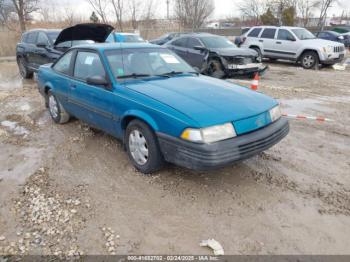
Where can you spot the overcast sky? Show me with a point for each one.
(223, 8)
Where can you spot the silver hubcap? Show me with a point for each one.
(138, 147)
(308, 60)
(53, 106)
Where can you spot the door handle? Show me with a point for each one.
(262, 41)
(73, 86)
(279, 43)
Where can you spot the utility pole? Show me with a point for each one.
(167, 8)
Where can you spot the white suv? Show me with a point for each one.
(293, 43)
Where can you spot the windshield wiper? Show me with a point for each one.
(173, 73)
(133, 76)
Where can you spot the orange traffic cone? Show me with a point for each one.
(255, 83)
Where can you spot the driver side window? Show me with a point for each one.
(285, 35)
(88, 64)
(192, 42)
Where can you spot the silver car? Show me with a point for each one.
(293, 43)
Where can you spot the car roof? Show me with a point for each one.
(115, 46)
(44, 29)
(278, 27)
(118, 33)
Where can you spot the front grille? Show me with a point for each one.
(239, 60)
(262, 144)
(339, 49)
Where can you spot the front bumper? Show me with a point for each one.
(205, 157)
(333, 59)
(242, 70)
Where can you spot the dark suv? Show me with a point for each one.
(43, 46)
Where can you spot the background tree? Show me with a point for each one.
(288, 16)
(193, 13)
(268, 18)
(100, 6)
(94, 17)
(305, 8)
(135, 7)
(24, 9)
(118, 7)
(252, 9)
(323, 5)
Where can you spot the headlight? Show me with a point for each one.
(328, 49)
(209, 134)
(275, 113)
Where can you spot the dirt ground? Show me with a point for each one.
(67, 189)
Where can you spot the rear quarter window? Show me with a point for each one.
(31, 38)
(63, 65)
(268, 33)
(255, 32)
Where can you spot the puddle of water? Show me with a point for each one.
(298, 106)
(15, 128)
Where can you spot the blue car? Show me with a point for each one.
(115, 37)
(162, 110)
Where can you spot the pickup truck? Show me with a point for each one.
(44, 46)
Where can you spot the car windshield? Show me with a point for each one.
(146, 62)
(133, 39)
(217, 42)
(303, 34)
(69, 44)
(53, 35)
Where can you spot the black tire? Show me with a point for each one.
(215, 69)
(23, 70)
(58, 114)
(154, 160)
(257, 49)
(309, 60)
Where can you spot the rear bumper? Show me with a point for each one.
(205, 157)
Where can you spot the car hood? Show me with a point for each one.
(321, 43)
(234, 51)
(95, 32)
(207, 101)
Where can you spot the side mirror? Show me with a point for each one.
(41, 44)
(291, 39)
(97, 81)
(200, 48)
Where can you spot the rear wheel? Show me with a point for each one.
(142, 147)
(215, 69)
(309, 60)
(23, 70)
(57, 111)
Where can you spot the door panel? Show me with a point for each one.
(284, 46)
(194, 57)
(267, 38)
(92, 104)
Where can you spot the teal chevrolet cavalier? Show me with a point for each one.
(160, 107)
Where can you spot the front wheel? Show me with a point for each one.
(57, 111)
(23, 70)
(142, 147)
(215, 69)
(309, 60)
(259, 57)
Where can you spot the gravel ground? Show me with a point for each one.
(70, 190)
